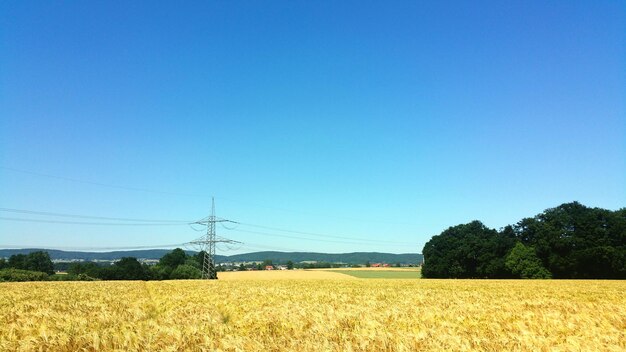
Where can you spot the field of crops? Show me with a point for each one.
(283, 275)
(325, 314)
(380, 273)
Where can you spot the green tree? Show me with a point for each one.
(601, 262)
(468, 251)
(574, 241)
(87, 271)
(368, 264)
(127, 268)
(18, 261)
(158, 272)
(34, 261)
(524, 263)
(289, 265)
(88, 268)
(199, 257)
(39, 261)
(266, 263)
(3, 263)
(185, 272)
(174, 258)
(193, 261)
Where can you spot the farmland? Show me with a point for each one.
(389, 274)
(282, 275)
(315, 274)
(380, 273)
(339, 313)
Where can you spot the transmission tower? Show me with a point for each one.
(208, 242)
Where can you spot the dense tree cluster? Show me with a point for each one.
(178, 265)
(571, 241)
(467, 251)
(174, 265)
(35, 261)
(38, 266)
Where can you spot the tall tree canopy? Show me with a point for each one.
(524, 263)
(569, 241)
(174, 258)
(578, 242)
(467, 251)
(33, 261)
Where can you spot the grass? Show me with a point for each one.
(381, 274)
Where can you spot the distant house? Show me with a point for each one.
(282, 267)
(380, 265)
(269, 267)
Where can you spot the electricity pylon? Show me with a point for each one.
(207, 243)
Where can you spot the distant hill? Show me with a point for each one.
(276, 257)
(349, 258)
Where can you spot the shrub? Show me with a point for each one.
(186, 272)
(14, 275)
(524, 263)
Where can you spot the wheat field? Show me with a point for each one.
(326, 314)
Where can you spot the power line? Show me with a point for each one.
(33, 212)
(264, 247)
(323, 235)
(144, 222)
(89, 223)
(159, 246)
(314, 239)
(256, 205)
(95, 248)
(146, 190)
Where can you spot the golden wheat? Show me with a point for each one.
(314, 315)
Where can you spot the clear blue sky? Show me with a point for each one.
(376, 120)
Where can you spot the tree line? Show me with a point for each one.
(37, 266)
(571, 241)
(174, 265)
